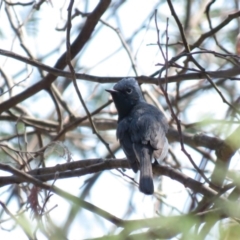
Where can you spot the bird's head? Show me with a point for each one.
(126, 94)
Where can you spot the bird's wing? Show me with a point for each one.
(124, 137)
(150, 128)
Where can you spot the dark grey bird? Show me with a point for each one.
(141, 130)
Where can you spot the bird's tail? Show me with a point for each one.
(144, 155)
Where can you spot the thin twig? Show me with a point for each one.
(171, 108)
(75, 81)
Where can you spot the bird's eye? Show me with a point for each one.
(128, 90)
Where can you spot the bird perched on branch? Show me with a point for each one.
(141, 130)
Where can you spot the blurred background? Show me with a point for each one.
(45, 122)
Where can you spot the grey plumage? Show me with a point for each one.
(141, 130)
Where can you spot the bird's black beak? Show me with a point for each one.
(111, 91)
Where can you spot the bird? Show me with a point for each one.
(141, 130)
